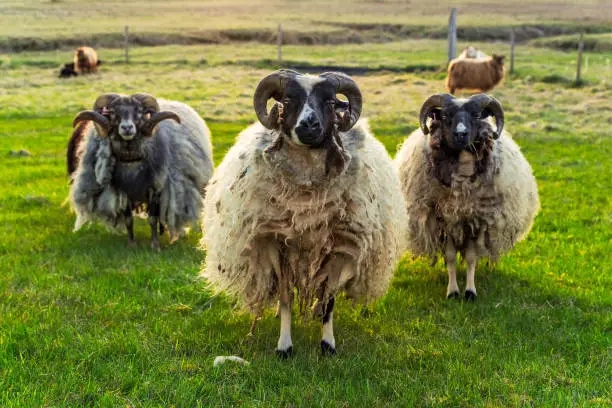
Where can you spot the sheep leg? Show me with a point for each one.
(471, 259)
(328, 343)
(450, 257)
(284, 347)
(154, 220)
(129, 225)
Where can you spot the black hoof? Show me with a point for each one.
(469, 295)
(453, 295)
(284, 354)
(327, 349)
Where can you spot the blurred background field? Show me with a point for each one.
(86, 321)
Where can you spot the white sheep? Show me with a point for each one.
(307, 202)
(467, 186)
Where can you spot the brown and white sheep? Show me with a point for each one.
(475, 74)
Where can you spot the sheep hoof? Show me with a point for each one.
(284, 354)
(155, 246)
(327, 349)
(453, 295)
(469, 295)
(132, 243)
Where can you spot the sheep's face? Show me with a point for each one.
(460, 123)
(126, 116)
(460, 120)
(309, 110)
(499, 59)
(127, 121)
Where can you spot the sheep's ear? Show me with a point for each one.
(433, 114)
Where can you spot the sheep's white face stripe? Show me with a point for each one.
(461, 127)
(307, 82)
(306, 110)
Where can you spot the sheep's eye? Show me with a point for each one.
(287, 101)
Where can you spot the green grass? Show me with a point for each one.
(86, 321)
(592, 42)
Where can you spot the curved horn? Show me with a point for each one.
(147, 129)
(434, 101)
(493, 107)
(271, 87)
(347, 87)
(102, 124)
(148, 101)
(105, 100)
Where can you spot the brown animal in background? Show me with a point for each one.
(85, 60)
(480, 75)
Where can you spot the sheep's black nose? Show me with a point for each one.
(459, 135)
(127, 128)
(310, 122)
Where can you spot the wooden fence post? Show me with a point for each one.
(279, 44)
(452, 35)
(127, 44)
(512, 42)
(579, 66)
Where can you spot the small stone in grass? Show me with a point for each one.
(20, 153)
(222, 359)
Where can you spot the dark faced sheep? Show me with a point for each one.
(306, 199)
(475, 74)
(68, 71)
(467, 186)
(125, 156)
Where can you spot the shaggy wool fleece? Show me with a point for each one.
(275, 216)
(180, 179)
(496, 207)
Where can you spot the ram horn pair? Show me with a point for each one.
(102, 123)
(488, 105)
(273, 85)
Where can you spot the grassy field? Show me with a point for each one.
(87, 321)
(49, 24)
